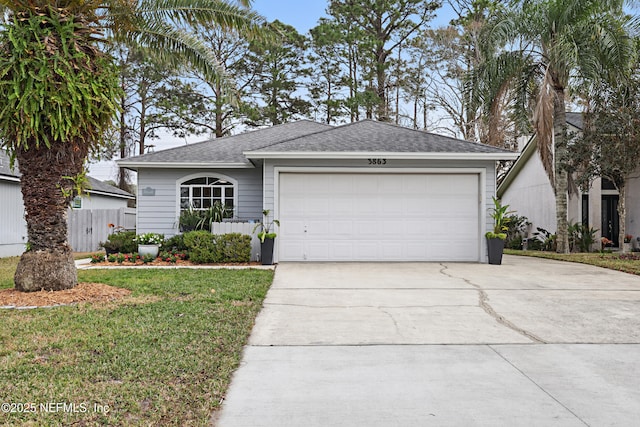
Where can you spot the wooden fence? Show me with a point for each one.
(89, 227)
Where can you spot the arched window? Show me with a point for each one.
(203, 192)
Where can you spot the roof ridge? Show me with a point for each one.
(223, 138)
(329, 128)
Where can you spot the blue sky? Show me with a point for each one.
(304, 14)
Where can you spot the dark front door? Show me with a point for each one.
(610, 220)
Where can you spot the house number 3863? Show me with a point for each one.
(377, 161)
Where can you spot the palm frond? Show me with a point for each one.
(543, 123)
(221, 13)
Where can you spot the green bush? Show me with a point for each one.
(175, 243)
(581, 237)
(205, 247)
(236, 247)
(121, 242)
(202, 247)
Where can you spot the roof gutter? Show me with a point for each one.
(104, 193)
(378, 155)
(182, 165)
(9, 178)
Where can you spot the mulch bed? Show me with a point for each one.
(179, 263)
(84, 292)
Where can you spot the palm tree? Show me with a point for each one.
(549, 43)
(58, 92)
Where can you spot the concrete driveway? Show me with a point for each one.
(530, 343)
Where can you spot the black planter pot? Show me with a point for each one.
(266, 251)
(111, 251)
(496, 247)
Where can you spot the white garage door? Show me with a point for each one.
(378, 217)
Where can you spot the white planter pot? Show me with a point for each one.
(626, 247)
(148, 250)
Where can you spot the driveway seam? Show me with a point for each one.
(537, 385)
(484, 304)
(366, 306)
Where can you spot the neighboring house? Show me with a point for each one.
(13, 228)
(527, 190)
(101, 195)
(365, 191)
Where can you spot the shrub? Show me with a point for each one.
(517, 227)
(205, 247)
(236, 247)
(121, 242)
(543, 240)
(96, 258)
(581, 237)
(147, 258)
(202, 247)
(175, 243)
(168, 257)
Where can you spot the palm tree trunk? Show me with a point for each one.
(561, 177)
(622, 215)
(48, 262)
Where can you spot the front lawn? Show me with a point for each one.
(162, 356)
(628, 263)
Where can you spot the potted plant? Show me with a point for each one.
(189, 220)
(627, 245)
(149, 244)
(266, 236)
(496, 238)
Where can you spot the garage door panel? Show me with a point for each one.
(366, 250)
(318, 250)
(377, 217)
(342, 250)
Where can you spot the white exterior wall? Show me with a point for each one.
(530, 194)
(488, 167)
(13, 227)
(159, 213)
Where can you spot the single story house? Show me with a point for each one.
(527, 190)
(365, 191)
(13, 228)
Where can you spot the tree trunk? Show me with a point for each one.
(622, 215)
(48, 263)
(561, 177)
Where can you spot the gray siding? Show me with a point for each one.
(489, 190)
(159, 212)
(13, 228)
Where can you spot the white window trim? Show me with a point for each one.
(182, 180)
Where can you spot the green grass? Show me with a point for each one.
(162, 356)
(611, 261)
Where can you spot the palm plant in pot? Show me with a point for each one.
(496, 238)
(266, 236)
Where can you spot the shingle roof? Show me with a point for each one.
(228, 150)
(103, 187)
(575, 120)
(372, 136)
